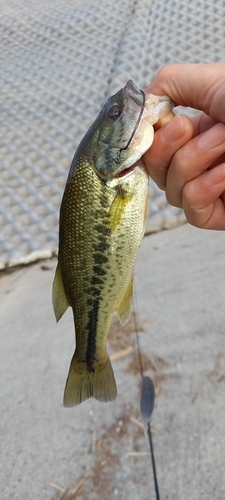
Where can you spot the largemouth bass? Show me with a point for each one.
(101, 225)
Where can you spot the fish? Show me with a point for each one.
(101, 225)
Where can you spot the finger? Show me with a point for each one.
(203, 199)
(200, 86)
(164, 120)
(190, 161)
(167, 141)
(201, 122)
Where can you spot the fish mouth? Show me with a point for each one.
(125, 171)
(138, 96)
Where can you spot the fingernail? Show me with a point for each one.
(212, 138)
(173, 131)
(215, 176)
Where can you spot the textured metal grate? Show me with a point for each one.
(59, 61)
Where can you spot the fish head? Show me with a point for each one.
(123, 131)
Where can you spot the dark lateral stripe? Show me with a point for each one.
(94, 301)
(92, 328)
(100, 257)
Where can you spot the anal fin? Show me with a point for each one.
(124, 308)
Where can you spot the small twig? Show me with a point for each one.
(135, 421)
(103, 462)
(93, 444)
(76, 488)
(154, 363)
(218, 372)
(138, 454)
(72, 492)
(57, 487)
(121, 354)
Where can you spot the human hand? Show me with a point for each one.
(187, 157)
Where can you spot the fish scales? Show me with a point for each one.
(102, 219)
(97, 267)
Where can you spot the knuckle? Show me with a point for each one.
(173, 199)
(180, 163)
(167, 71)
(195, 215)
(188, 195)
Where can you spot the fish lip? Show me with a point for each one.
(134, 92)
(139, 99)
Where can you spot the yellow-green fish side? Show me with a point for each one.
(101, 229)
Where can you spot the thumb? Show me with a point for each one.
(200, 86)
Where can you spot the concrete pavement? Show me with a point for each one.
(46, 449)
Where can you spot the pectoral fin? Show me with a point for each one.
(125, 306)
(59, 299)
(117, 210)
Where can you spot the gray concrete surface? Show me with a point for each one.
(46, 449)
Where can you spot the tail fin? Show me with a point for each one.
(82, 384)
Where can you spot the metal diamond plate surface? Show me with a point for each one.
(59, 61)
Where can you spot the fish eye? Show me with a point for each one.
(114, 112)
